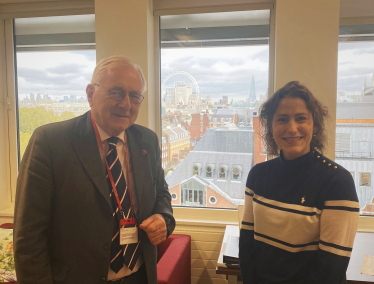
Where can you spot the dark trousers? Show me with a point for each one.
(139, 277)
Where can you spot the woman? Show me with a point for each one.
(301, 209)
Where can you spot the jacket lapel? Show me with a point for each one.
(87, 150)
(141, 169)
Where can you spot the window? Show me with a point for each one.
(355, 103)
(195, 170)
(193, 193)
(174, 196)
(222, 174)
(55, 60)
(365, 179)
(212, 200)
(342, 144)
(209, 171)
(236, 173)
(205, 63)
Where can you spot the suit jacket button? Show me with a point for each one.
(103, 279)
(107, 246)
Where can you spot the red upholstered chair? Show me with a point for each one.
(174, 260)
(6, 226)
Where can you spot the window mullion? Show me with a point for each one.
(11, 108)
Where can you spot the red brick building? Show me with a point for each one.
(199, 124)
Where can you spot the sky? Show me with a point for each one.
(219, 71)
(355, 64)
(56, 73)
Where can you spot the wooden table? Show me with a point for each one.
(364, 244)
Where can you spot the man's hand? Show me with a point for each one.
(155, 227)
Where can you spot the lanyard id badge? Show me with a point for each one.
(128, 235)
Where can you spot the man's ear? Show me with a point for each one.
(90, 90)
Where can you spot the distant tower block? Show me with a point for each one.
(252, 91)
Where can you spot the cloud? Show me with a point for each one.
(55, 73)
(357, 46)
(262, 56)
(220, 75)
(60, 80)
(89, 55)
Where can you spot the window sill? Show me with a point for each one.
(203, 223)
(366, 224)
(205, 217)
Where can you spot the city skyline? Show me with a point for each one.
(67, 73)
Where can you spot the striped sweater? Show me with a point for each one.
(299, 223)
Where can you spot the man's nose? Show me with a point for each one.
(125, 102)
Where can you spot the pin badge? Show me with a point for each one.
(144, 152)
(302, 200)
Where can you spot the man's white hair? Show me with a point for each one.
(103, 64)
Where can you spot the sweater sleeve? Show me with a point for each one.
(338, 226)
(246, 240)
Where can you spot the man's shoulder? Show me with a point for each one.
(142, 130)
(63, 127)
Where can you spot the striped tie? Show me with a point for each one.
(126, 254)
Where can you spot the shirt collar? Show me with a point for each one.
(298, 162)
(104, 136)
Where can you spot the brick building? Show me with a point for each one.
(198, 126)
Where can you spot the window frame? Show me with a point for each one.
(365, 223)
(8, 77)
(221, 217)
(10, 114)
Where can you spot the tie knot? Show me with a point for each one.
(113, 140)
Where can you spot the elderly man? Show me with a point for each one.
(92, 202)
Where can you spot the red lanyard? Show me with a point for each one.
(109, 172)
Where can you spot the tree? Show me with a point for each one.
(32, 118)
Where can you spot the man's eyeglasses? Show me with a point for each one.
(135, 98)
